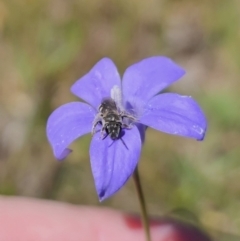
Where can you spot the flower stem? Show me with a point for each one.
(143, 207)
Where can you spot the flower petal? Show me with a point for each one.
(97, 83)
(67, 123)
(175, 114)
(148, 77)
(113, 162)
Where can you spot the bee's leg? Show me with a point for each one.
(97, 119)
(125, 126)
(104, 134)
(129, 116)
(131, 120)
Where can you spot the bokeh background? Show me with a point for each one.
(46, 45)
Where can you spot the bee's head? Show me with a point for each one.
(113, 130)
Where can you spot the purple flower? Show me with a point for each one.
(137, 105)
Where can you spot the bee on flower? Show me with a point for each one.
(118, 112)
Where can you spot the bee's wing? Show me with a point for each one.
(116, 95)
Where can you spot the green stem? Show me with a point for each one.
(143, 207)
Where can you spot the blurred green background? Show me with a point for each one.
(46, 45)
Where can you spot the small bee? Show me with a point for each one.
(111, 119)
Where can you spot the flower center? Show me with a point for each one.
(112, 116)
